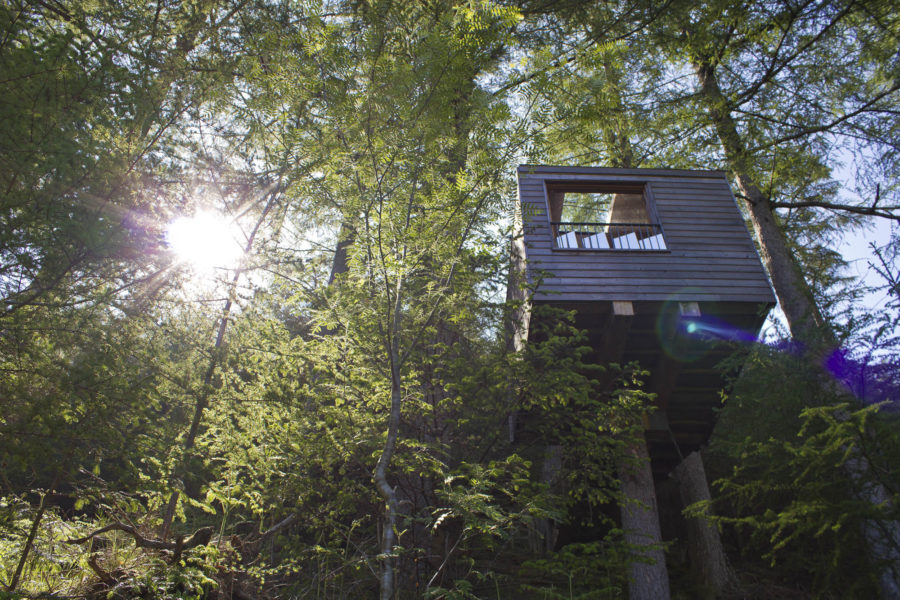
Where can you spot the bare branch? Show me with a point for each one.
(200, 537)
(884, 212)
(805, 131)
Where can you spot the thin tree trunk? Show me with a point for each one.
(707, 556)
(388, 493)
(456, 155)
(804, 320)
(550, 470)
(519, 317)
(203, 398)
(32, 533)
(202, 402)
(648, 577)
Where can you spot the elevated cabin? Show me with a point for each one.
(659, 267)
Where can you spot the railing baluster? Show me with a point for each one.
(607, 236)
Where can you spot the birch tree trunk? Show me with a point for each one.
(388, 493)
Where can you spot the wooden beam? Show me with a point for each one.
(689, 309)
(615, 331)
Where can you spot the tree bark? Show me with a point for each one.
(339, 265)
(32, 533)
(707, 556)
(800, 310)
(519, 317)
(640, 516)
(389, 495)
(804, 320)
(648, 577)
(550, 471)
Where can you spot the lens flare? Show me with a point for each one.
(205, 241)
(715, 329)
(687, 335)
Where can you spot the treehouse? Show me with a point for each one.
(659, 269)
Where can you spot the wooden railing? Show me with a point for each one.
(608, 236)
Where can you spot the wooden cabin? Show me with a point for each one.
(660, 269)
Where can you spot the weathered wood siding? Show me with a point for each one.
(710, 257)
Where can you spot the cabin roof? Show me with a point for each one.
(615, 171)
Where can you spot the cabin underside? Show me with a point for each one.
(683, 346)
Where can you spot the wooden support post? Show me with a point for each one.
(615, 331)
(648, 577)
(705, 551)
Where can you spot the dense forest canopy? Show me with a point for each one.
(253, 262)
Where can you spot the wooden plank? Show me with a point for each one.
(689, 183)
(729, 255)
(691, 190)
(685, 220)
(578, 278)
(695, 237)
(630, 279)
(699, 256)
(558, 299)
(704, 229)
(628, 260)
(628, 291)
(683, 243)
(700, 230)
(570, 266)
(660, 284)
(664, 287)
(540, 170)
(630, 257)
(699, 296)
(573, 266)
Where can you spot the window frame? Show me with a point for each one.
(603, 187)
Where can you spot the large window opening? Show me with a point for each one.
(602, 217)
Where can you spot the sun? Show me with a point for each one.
(205, 241)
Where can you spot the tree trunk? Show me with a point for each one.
(648, 577)
(794, 297)
(705, 549)
(218, 346)
(804, 319)
(550, 471)
(32, 533)
(640, 517)
(389, 495)
(618, 144)
(339, 264)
